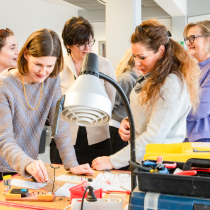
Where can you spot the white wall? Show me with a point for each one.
(99, 34)
(198, 18)
(120, 24)
(165, 21)
(26, 16)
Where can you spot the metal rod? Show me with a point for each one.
(131, 121)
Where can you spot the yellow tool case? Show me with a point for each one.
(180, 152)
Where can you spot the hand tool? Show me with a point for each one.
(187, 173)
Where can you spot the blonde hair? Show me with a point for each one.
(42, 43)
(175, 59)
(203, 25)
(126, 63)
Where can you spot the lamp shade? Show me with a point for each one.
(86, 101)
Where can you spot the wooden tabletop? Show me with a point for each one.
(58, 203)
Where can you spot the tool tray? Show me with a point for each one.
(198, 185)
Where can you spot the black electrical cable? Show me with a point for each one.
(84, 196)
(131, 122)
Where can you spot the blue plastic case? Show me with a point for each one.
(166, 202)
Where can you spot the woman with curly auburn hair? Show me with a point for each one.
(197, 39)
(163, 95)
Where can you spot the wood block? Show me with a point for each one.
(32, 197)
(9, 197)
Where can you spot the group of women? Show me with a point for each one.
(161, 79)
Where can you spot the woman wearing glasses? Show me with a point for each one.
(162, 97)
(8, 49)
(197, 39)
(89, 143)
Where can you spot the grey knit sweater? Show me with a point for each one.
(127, 81)
(163, 123)
(21, 127)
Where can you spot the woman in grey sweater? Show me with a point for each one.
(126, 74)
(162, 97)
(28, 94)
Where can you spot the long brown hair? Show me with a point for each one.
(151, 34)
(43, 42)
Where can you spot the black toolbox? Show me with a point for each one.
(198, 185)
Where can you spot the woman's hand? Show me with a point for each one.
(124, 130)
(82, 169)
(102, 163)
(38, 171)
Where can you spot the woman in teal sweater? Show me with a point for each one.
(28, 95)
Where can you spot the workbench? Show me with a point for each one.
(58, 203)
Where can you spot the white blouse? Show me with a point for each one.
(68, 75)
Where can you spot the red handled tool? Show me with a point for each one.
(162, 165)
(201, 169)
(187, 173)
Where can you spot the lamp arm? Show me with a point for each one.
(131, 122)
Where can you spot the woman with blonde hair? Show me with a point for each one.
(28, 94)
(161, 98)
(126, 74)
(197, 39)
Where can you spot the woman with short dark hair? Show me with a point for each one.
(8, 49)
(89, 142)
(28, 94)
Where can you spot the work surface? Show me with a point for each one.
(58, 203)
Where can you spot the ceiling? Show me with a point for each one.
(95, 5)
(87, 4)
(149, 3)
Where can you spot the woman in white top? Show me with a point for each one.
(89, 142)
(162, 96)
(8, 49)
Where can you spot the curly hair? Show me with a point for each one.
(175, 60)
(126, 63)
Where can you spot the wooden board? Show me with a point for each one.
(58, 203)
(34, 197)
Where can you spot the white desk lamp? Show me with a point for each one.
(86, 103)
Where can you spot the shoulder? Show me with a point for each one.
(6, 78)
(174, 88)
(173, 81)
(54, 81)
(104, 62)
(127, 77)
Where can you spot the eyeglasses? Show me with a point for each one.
(191, 39)
(6, 32)
(83, 46)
